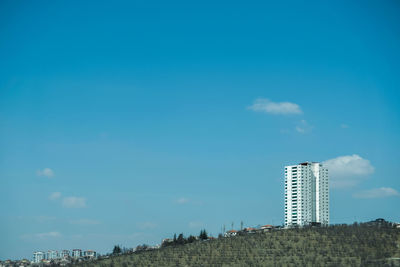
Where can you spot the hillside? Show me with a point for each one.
(331, 246)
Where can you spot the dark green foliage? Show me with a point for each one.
(116, 249)
(355, 245)
(142, 247)
(191, 239)
(181, 240)
(203, 235)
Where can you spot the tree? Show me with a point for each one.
(191, 239)
(181, 240)
(117, 249)
(203, 235)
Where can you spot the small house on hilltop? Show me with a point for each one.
(250, 230)
(230, 233)
(266, 228)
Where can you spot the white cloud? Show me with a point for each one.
(344, 126)
(55, 195)
(347, 171)
(182, 200)
(377, 193)
(349, 165)
(74, 202)
(45, 172)
(267, 106)
(84, 222)
(303, 127)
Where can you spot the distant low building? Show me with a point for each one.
(230, 233)
(250, 230)
(266, 228)
(90, 254)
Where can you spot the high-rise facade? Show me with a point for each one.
(64, 253)
(76, 253)
(306, 194)
(52, 254)
(38, 256)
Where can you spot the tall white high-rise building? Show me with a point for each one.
(306, 194)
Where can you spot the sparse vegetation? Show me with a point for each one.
(343, 245)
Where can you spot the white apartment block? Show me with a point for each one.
(76, 253)
(38, 256)
(90, 253)
(52, 254)
(64, 253)
(306, 194)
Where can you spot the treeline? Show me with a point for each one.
(175, 241)
(342, 245)
(181, 240)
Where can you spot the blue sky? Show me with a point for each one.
(126, 122)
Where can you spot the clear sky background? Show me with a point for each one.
(126, 122)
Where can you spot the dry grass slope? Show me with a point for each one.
(331, 246)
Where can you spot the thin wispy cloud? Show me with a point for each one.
(182, 200)
(74, 202)
(303, 127)
(300, 130)
(68, 202)
(55, 196)
(44, 219)
(146, 225)
(377, 193)
(278, 108)
(47, 172)
(344, 126)
(347, 171)
(84, 222)
(47, 235)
